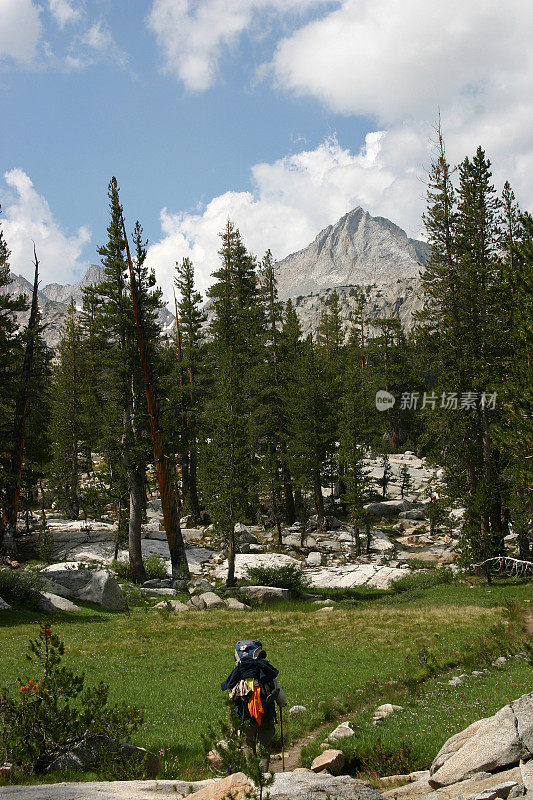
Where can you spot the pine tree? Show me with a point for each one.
(228, 456)
(289, 349)
(331, 354)
(191, 374)
(68, 422)
(514, 435)
(15, 468)
(405, 481)
(10, 362)
(355, 434)
(143, 302)
(466, 319)
(269, 415)
(308, 438)
(120, 371)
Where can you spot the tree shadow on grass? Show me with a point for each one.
(27, 616)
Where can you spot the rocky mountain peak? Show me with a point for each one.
(359, 249)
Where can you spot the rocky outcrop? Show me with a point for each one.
(468, 789)
(86, 754)
(265, 594)
(93, 585)
(305, 785)
(487, 745)
(4, 606)
(297, 785)
(351, 575)
(387, 508)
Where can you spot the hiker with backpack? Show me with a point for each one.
(254, 688)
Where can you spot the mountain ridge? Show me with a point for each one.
(358, 249)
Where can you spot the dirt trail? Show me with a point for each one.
(293, 752)
(528, 622)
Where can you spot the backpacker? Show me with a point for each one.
(252, 683)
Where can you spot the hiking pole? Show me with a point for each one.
(282, 745)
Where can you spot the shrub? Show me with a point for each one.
(19, 587)
(55, 709)
(422, 579)
(287, 577)
(44, 549)
(154, 567)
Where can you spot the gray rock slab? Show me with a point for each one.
(523, 711)
(304, 785)
(212, 600)
(297, 785)
(387, 508)
(175, 605)
(153, 591)
(342, 731)
(243, 562)
(235, 605)
(106, 790)
(54, 602)
(192, 534)
(265, 594)
(421, 790)
(314, 559)
(488, 745)
(4, 606)
(526, 772)
(501, 790)
(101, 552)
(350, 575)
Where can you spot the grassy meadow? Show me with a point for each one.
(342, 662)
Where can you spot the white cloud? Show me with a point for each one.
(94, 45)
(398, 60)
(27, 218)
(20, 30)
(63, 12)
(193, 35)
(98, 37)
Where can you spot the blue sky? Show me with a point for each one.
(282, 114)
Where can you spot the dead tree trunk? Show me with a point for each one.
(167, 489)
(8, 526)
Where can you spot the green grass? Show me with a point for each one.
(332, 662)
(409, 740)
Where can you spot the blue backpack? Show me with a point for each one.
(249, 649)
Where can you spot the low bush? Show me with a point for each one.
(287, 577)
(154, 566)
(41, 716)
(419, 563)
(19, 587)
(422, 579)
